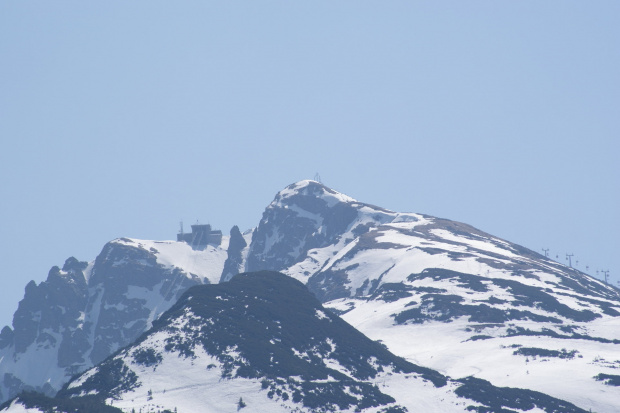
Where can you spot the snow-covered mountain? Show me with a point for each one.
(85, 311)
(448, 296)
(439, 293)
(263, 343)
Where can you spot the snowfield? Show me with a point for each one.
(206, 264)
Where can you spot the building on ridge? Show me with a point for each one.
(201, 236)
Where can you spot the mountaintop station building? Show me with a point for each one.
(201, 236)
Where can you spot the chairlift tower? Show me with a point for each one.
(569, 258)
(606, 274)
(546, 251)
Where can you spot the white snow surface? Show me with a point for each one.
(16, 407)
(448, 348)
(206, 264)
(330, 196)
(321, 259)
(404, 247)
(193, 384)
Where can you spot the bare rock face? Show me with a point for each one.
(305, 215)
(234, 260)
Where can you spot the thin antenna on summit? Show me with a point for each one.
(569, 258)
(546, 250)
(181, 227)
(317, 178)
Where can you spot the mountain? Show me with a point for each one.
(262, 342)
(448, 296)
(85, 311)
(439, 293)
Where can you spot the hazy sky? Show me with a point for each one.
(122, 118)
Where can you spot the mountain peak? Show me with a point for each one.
(265, 333)
(310, 188)
(303, 216)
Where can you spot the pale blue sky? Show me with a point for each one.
(122, 118)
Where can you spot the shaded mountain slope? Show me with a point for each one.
(85, 311)
(262, 342)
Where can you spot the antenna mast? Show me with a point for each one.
(181, 229)
(317, 178)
